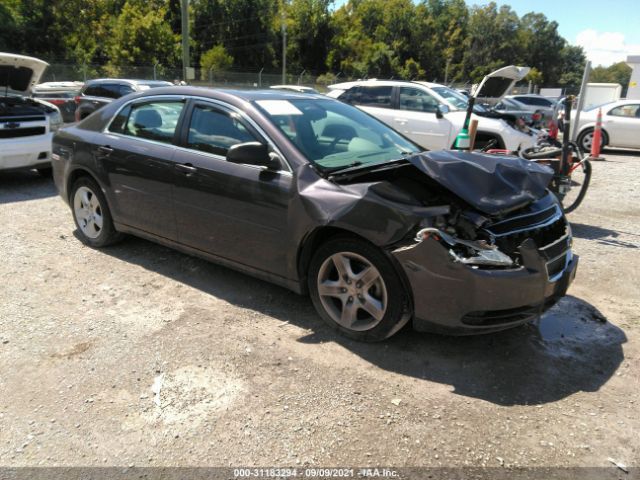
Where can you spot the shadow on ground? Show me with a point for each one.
(24, 185)
(623, 152)
(572, 348)
(604, 236)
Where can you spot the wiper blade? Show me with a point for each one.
(362, 169)
(330, 170)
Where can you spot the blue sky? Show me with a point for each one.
(607, 30)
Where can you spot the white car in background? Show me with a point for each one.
(620, 125)
(26, 124)
(432, 115)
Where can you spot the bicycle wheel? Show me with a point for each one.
(578, 185)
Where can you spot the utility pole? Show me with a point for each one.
(184, 10)
(284, 45)
(583, 93)
(446, 71)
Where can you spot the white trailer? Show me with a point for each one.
(601, 93)
(633, 93)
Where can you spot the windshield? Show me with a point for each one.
(334, 135)
(456, 99)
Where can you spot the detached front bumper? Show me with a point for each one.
(450, 297)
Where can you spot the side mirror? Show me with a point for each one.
(250, 153)
(441, 110)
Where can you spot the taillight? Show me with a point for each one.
(57, 101)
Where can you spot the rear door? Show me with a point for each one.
(234, 211)
(623, 126)
(137, 154)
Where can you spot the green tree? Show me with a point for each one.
(534, 76)
(215, 59)
(246, 28)
(141, 36)
(308, 31)
(573, 62)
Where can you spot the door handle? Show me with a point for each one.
(401, 121)
(105, 151)
(186, 168)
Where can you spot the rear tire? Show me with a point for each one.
(91, 214)
(357, 291)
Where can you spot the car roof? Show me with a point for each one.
(224, 93)
(124, 80)
(375, 81)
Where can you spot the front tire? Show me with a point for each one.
(585, 140)
(357, 291)
(91, 214)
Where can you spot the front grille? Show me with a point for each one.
(21, 132)
(26, 118)
(547, 227)
(500, 317)
(489, 318)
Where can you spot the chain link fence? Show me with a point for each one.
(202, 77)
(214, 78)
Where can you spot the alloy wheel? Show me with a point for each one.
(88, 212)
(352, 291)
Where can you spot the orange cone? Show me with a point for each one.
(597, 138)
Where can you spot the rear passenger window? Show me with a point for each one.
(214, 131)
(375, 96)
(152, 121)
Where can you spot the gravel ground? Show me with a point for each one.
(139, 355)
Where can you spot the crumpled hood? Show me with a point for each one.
(20, 73)
(493, 184)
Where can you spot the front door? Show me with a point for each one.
(234, 211)
(623, 126)
(417, 119)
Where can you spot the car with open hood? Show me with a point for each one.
(317, 196)
(432, 115)
(26, 124)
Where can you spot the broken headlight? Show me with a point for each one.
(476, 252)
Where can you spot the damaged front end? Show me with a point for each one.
(483, 244)
(503, 271)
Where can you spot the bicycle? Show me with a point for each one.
(571, 169)
(570, 187)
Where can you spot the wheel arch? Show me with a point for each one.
(77, 173)
(591, 126)
(323, 234)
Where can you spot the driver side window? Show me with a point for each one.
(215, 131)
(416, 100)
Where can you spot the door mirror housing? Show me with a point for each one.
(250, 153)
(441, 110)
